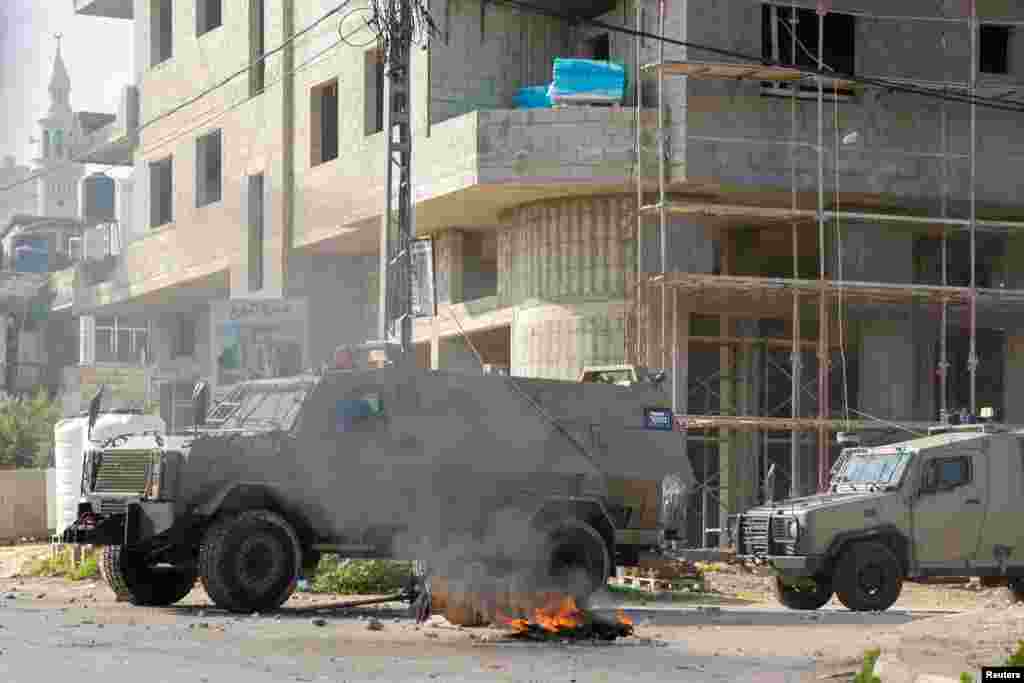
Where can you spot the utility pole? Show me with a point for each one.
(397, 25)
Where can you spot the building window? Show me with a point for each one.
(183, 337)
(374, 69)
(777, 43)
(257, 47)
(161, 34)
(46, 144)
(600, 48)
(208, 168)
(208, 16)
(161, 192)
(256, 217)
(58, 144)
(324, 122)
(75, 249)
(994, 49)
(121, 341)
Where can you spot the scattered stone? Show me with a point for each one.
(72, 601)
(201, 613)
(319, 621)
(473, 636)
(255, 615)
(41, 596)
(431, 635)
(375, 625)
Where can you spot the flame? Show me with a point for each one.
(623, 619)
(557, 615)
(518, 625)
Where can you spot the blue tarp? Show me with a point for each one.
(587, 80)
(533, 97)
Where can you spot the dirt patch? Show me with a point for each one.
(14, 557)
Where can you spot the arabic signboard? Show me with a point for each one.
(259, 339)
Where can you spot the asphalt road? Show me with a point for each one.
(49, 643)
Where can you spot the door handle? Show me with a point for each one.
(972, 501)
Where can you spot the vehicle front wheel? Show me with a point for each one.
(814, 594)
(132, 579)
(250, 562)
(868, 578)
(1016, 588)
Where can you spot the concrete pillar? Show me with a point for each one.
(565, 263)
(1013, 401)
(449, 269)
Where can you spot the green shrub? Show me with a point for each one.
(1017, 658)
(867, 670)
(966, 678)
(62, 564)
(360, 577)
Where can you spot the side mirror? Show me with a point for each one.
(200, 403)
(94, 408)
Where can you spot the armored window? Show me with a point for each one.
(161, 192)
(944, 474)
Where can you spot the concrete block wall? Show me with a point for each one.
(23, 504)
(737, 136)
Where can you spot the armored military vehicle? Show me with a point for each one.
(945, 504)
(391, 462)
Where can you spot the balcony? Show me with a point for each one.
(110, 139)
(473, 167)
(111, 9)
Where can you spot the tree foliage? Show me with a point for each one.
(26, 430)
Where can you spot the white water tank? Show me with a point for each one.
(70, 447)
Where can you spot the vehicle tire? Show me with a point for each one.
(132, 580)
(250, 562)
(800, 598)
(868, 577)
(575, 560)
(1016, 588)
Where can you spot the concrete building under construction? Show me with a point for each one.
(806, 241)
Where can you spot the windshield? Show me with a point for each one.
(267, 409)
(874, 468)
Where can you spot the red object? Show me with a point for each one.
(343, 359)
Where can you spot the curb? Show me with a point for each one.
(891, 670)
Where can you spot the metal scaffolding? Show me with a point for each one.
(656, 297)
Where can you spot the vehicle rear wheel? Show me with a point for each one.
(803, 597)
(575, 560)
(132, 579)
(868, 578)
(250, 562)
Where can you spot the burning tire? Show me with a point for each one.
(575, 560)
(803, 597)
(132, 579)
(868, 578)
(249, 562)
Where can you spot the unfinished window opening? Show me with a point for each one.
(777, 30)
(183, 336)
(208, 15)
(991, 350)
(600, 48)
(989, 264)
(374, 69)
(161, 192)
(257, 47)
(994, 49)
(324, 122)
(208, 168)
(161, 34)
(121, 340)
(255, 256)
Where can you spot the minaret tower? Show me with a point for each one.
(58, 185)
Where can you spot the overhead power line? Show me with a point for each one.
(206, 92)
(892, 86)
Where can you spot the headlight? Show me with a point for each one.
(793, 529)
